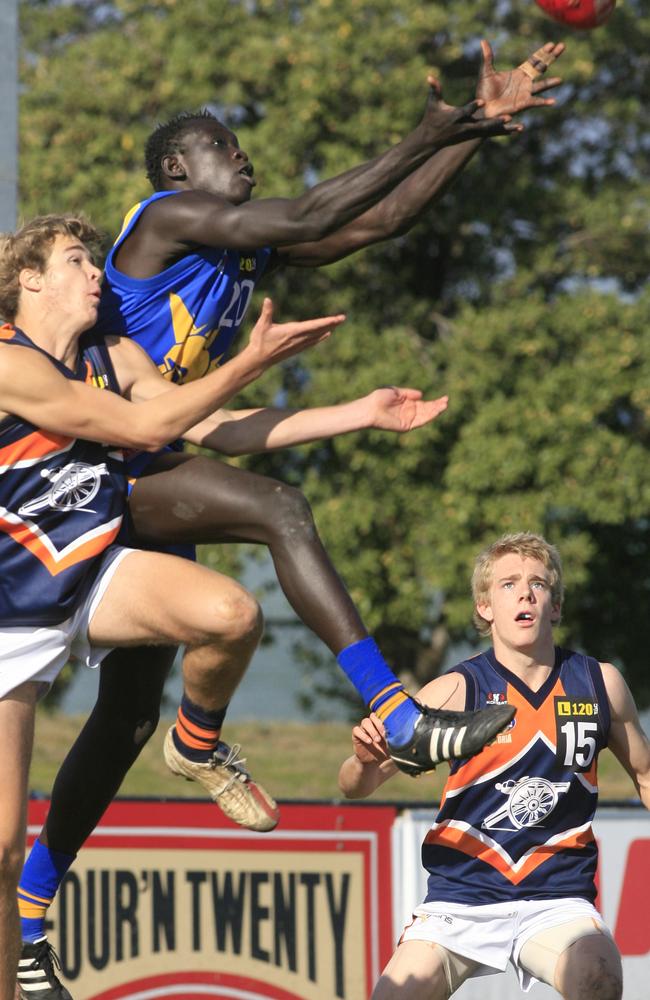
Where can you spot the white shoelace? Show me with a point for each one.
(234, 761)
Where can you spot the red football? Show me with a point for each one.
(578, 13)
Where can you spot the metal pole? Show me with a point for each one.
(8, 113)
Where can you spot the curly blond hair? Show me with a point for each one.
(30, 247)
(522, 543)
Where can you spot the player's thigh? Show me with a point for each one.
(576, 957)
(590, 969)
(17, 711)
(196, 498)
(155, 597)
(416, 971)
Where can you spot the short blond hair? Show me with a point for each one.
(522, 543)
(31, 246)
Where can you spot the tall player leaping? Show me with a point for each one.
(178, 281)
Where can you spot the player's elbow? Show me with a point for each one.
(350, 793)
(225, 444)
(346, 791)
(350, 786)
(147, 436)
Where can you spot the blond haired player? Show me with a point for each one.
(511, 854)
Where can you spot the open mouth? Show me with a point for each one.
(247, 173)
(524, 616)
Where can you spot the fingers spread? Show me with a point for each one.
(541, 85)
(499, 126)
(486, 53)
(266, 312)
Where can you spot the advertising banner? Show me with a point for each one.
(171, 900)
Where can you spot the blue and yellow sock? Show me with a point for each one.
(382, 692)
(197, 730)
(42, 875)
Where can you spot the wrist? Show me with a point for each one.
(429, 137)
(249, 363)
(362, 413)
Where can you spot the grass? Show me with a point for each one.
(293, 760)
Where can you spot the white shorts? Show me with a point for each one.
(494, 934)
(41, 652)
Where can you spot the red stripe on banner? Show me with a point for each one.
(178, 986)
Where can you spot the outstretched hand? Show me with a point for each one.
(449, 125)
(274, 342)
(369, 740)
(515, 90)
(402, 410)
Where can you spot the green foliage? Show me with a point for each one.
(522, 294)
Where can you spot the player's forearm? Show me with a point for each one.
(641, 781)
(357, 780)
(170, 415)
(406, 203)
(160, 412)
(340, 199)
(251, 431)
(394, 215)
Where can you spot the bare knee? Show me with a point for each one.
(416, 971)
(596, 984)
(238, 616)
(292, 514)
(590, 969)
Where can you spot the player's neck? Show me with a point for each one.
(532, 664)
(59, 338)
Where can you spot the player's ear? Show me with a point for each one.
(485, 612)
(30, 279)
(172, 167)
(556, 613)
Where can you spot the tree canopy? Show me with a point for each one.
(523, 293)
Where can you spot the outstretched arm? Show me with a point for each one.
(504, 93)
(245, 432)
(193, 218)
(627, 741)
(33, 389)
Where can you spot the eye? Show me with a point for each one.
(508, 585)
(538, 585)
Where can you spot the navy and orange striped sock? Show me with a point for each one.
(197, 730)
(383, 693)
(42, 875)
